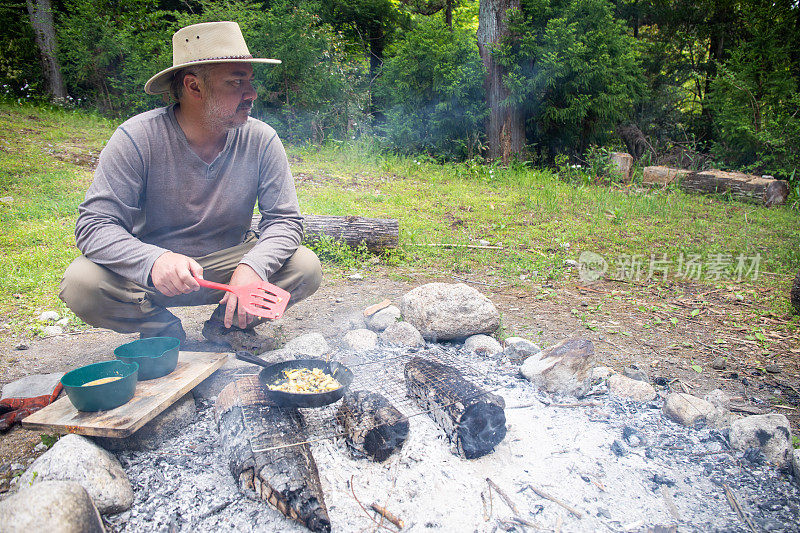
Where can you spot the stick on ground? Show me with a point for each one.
(387, 515)
(543, 494)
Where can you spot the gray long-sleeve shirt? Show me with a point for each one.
(152, 194)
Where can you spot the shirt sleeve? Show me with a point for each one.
(106, 218)
(281, 225)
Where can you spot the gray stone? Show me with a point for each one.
(360, 340)
(686, 409)
(62, 506)
(41, 447)
(518, 349)
(48, 316)
(153, 434)
(769, 433)
(21, 346)
(482, 345)
(76, 458)
(31, 386)
(64, 322)
(402, 334)
(719, 398)
(564, 368)
(634, 389)
(49, 331)
(355, 277)
(310, 345)
(384, 318)
(773, 369)
(634, 372)
(444, 311)
(719, 363)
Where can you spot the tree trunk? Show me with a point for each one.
(505, 131)
(41, 15)
(763, 190)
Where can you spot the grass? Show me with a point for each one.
(537, 219)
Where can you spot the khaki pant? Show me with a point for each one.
(104, 299)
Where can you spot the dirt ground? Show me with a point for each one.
(670, 343)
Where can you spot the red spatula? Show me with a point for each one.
(259, 299)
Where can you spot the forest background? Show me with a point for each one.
(692, 83)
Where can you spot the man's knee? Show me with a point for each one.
(79, 284)
(301, 275)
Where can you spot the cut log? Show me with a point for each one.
(374, 427)
(474, 420)
(286, 477)
(377, 234)
(795, 294)
(621, 164)
(764, 190)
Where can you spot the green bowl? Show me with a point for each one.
(105, 396)
(157, 356)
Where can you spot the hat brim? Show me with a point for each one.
(160, 83)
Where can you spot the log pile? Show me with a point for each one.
(286, 477)
(764, 190)
(373, 427)
(378, 234)
(473, 420)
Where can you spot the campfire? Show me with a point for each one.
(453, 436)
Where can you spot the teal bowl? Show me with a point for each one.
(105, 396)
(156, 356)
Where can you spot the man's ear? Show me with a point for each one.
(192, 86)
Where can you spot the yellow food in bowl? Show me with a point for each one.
(102, 381)
(305, 381)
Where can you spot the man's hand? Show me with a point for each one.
(243, 275)
(172, 274)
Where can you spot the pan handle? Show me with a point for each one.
(250, 358)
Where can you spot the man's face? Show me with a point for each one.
(229, 95)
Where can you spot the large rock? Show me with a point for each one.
(483, 345)
(564, 368)
(31, 386)
(153, 434)
(57, 506)
(402, 334)
(384, 318)
(686, 409)
(769, 433)
(309, 345)
(443, 311)
(360, 340)
(633, 389)
(518, 349)
(76, 458)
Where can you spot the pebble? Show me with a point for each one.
(619, 449)
(48, 331)
(634, 372)
(48, 316)
(8, 200)
(658, 479)
(571, 263)
(16, 467)
(355, 277)
(718, 363)
(40, 447)
(633, 437)
(773, 369)
(21, 346)
(64, 322)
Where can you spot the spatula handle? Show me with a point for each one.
(213, 285)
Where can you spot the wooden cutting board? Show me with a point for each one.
(151, 398)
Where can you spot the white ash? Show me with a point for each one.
(615, 462)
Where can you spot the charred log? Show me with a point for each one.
(377, 234)
(374, 427)
(634, 140)
(795, 294)
(473, 419)
(286, 477)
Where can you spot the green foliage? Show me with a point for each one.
(573, 70)
(336, 252)
(432, 85)
(755, 97)
(19, 62)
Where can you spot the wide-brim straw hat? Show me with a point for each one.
(202, 44)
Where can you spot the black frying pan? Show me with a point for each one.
(273, 372)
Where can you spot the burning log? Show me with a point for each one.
(285, 477)
(377, 234)
(374, 427)
(473, 419)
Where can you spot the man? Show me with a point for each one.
(173, 197)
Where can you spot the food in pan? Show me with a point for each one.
(305, 381)
(102, 381)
